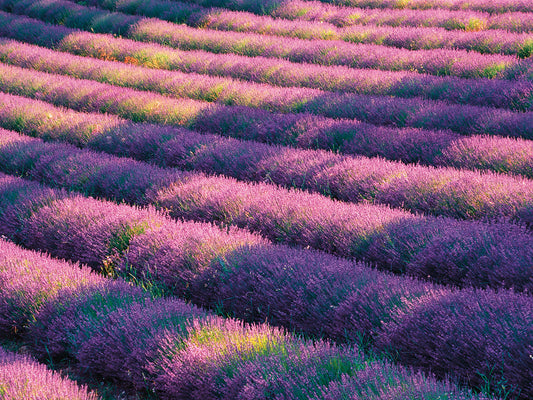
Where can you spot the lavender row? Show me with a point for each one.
(321, 296)
(195, 15)
(316, 11)
(490, 6)
(287, 217)
(433, 61)
(463, 19)
(298, 130)
(373, 109)
(412, 38)
(114, 331)
(499, 93)
(21, 377)
(332, 6)
(443, 191)
(328, 52)
(491, 42)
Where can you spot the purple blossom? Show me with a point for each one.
(87, 230)
(112, 330)
(279, 72)
(212, 350)
(302, 128)
(130, 341)
(248, 281)
(349, 9)
(464, 19)
(240, 277)
(497, 6)
(441, 284)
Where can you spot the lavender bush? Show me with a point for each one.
(444, 191)
(264, 7)
(255, 161)
(438, 333)
(21, 377)
(159, 255)
(340, 16)
(233, 92)
(112, 330)
(129, 346)
(499, 6)
(268, 377)
(463, 19)
(28, 281)
(300, 305)
(277, 95)
(74, 315)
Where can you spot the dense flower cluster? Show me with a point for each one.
(314, 19)
(438, 191)
(272, 71)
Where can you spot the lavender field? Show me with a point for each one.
(278, 199)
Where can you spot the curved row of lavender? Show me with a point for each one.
(121, 245)
(438, 191)
(488, 6)
(113, 330)
(239, 274)
(21, 377)
(493, 255)
(492, 41)
(435, 142)
(327, 52)
(499, 93)
(464, 19)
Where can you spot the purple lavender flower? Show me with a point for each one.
(419, 37)
(197, 365)
(478, 254)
